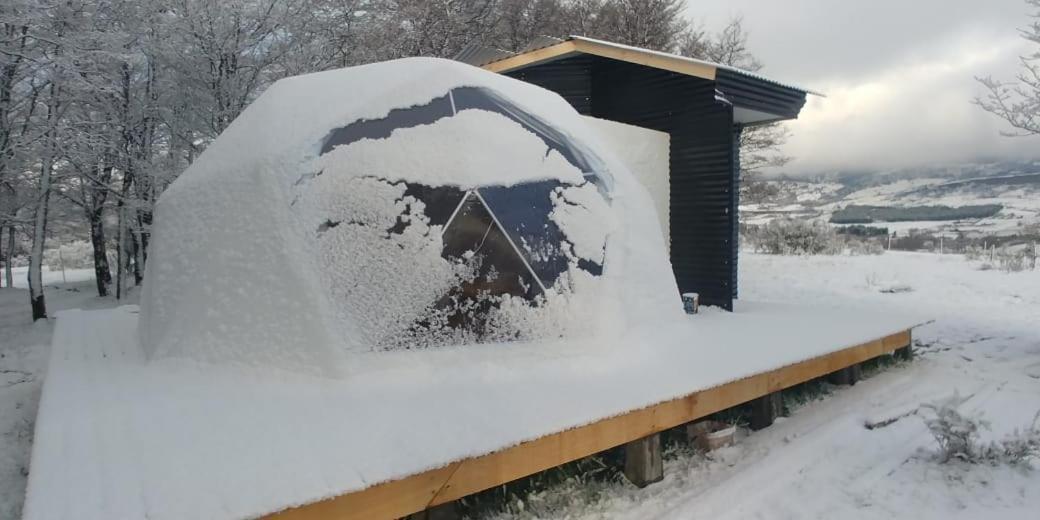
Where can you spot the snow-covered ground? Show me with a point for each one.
(24, 347)
(821, 462)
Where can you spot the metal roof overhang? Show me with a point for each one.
(756, 100)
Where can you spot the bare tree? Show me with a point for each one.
(521, 21)
(651, 24)
(439, 28)
(729, 46)
(1018, 102)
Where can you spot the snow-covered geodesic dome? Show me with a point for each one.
(406, 204)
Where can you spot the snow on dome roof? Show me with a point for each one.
(407, 204)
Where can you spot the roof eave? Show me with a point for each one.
(573, 46)
(580, 45)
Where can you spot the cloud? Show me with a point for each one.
(899, 76)
(913, 114)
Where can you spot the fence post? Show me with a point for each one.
(61, 262)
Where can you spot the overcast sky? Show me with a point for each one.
(898, 75)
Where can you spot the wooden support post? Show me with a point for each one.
(643, 465)
(765, 410)
(847, 376)
(448, 511)
(906, 353)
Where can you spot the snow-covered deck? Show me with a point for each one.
(117, 437)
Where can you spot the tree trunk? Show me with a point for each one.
(3, 259)
(39, 306)
(10, 256)
(102, 275)
(137, 237)
(120, 252)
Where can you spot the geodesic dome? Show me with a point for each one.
(407, 204)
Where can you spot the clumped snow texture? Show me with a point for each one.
(585, 218)
(268, 253)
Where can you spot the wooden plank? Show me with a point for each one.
(551, 52)
(649, 58)
(638, 56)
(399, 498)
(394, 499)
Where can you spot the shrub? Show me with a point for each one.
(1013, 260)
(75, 255)
(974, 253)
(864, 247)
(958, 436)
(795, 237)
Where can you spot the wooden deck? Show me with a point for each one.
(399, 498)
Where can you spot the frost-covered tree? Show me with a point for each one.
(222, 54)
(1018, 102)
(521, 21)
(438, 28)
(19, 89)
(651, 24)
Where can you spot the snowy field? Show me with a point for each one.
(821, 462)
(1020, 200)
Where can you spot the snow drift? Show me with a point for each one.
(413, 203)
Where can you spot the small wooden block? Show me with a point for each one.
(765, 410)
(643, 464)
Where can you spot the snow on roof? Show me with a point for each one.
(326, 222)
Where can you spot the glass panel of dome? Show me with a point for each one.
(441, 202)
(437, 108)
(466, 98)
(475, 237)
(523, 211)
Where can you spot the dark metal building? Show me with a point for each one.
(703, 106)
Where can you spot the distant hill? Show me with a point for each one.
(996, 198)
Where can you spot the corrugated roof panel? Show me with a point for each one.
(693, 60)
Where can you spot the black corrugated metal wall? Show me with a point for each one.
(703, 209)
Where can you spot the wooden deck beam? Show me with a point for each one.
(399, 498)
